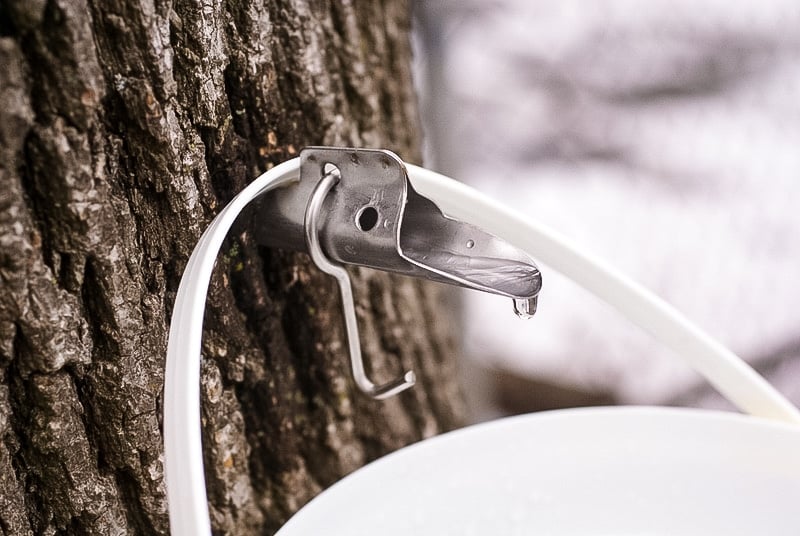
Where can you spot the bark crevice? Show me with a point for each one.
(124, 127)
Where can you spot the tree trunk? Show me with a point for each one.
(125, 126)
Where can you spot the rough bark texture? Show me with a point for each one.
(125, 125)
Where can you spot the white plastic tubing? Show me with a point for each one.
(186, 490)
(183, 454)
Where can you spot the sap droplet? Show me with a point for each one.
(525, 307)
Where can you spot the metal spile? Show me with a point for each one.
(357, 206)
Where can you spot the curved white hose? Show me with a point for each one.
(186, 491)
(183, 450)
(723, 369)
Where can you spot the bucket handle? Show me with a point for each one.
(186, 490)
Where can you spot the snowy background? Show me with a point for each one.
(665, 138)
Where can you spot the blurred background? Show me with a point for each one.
(662, 136)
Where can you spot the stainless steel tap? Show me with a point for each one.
(357, 206)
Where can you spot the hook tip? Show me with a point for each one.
(397, 386)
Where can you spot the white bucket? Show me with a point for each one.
(604, 471)
(599, 471)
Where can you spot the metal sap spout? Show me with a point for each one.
(373, 217)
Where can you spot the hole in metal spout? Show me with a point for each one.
(367, 218)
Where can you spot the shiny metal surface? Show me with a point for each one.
(311, 218)
(373, 217)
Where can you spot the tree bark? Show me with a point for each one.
(125, 126)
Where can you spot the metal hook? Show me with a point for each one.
(375, 218)
(311, 229)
